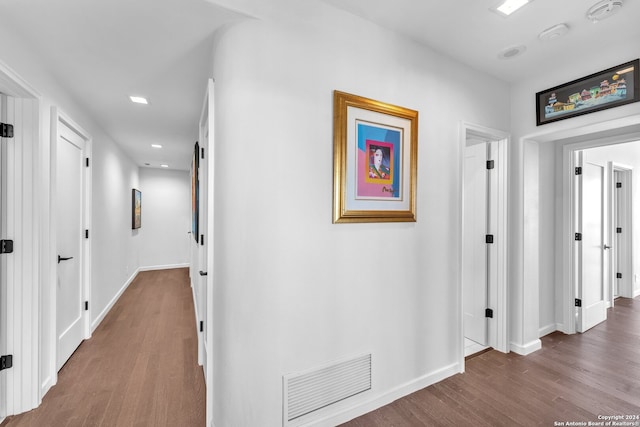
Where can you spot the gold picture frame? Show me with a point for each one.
(375, 160)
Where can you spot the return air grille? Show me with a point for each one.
(312, 390)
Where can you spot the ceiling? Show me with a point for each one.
(104, 51)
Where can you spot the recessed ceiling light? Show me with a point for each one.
(164, 166)
(509, 6)
(156, 145)
(554, 32)
(603, 10)
(511, 52)
(139, 100)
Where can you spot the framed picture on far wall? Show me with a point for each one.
(136, 209)
(375, 157)
(195, 192)
(607, 89)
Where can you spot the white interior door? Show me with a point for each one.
(474, 269)
(204, 243)
(69, 231)
(591, 258)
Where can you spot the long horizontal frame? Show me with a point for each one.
(348, 110)
(585, 91)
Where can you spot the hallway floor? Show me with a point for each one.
(139, 368)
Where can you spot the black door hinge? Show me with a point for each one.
(579, 170)
(618, 230)
(491, 164)
(86, 306)
(86, 234)
(202, 153)
(488, 313)
(87, 162)
(201, 326)
(488, 238)
(578, 236)
(202, 239)
(6, 130)
(618, 275)
(578, 302)
(618, 185)
(6, 246)
(6, 362)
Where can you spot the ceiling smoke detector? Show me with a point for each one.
(554, 32)
(603, 10)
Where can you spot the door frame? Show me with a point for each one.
(22, 326)
(497, 287)
(59, 118)
(623, 250)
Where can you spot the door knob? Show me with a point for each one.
(607, 247)
(63, 258)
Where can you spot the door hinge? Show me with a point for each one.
(6, 246)
(202, 239)
(202, 153)
(87, 162)
(488, 238)
(578, 302)
(578, 170)
(488, 313)
(619, 230)
(201, 326)
(578, 236)
(6, 130)
(491, 164)
(618, 275)
(618, 185)
(6, 362)
(86, 305)
(86, 234)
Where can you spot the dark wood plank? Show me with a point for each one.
(139, 368)
(572, 378)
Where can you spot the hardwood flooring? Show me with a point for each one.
(572, 379)
(139, 368)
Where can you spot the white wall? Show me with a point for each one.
(292, 290)
(114, 247)
(529, 322)
(166, 218)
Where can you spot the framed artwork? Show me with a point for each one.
(195, 192)
(607, 89)
(136, 209)
(375, 158)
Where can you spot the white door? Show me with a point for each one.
(69, 230)
(474, 269)
(591, 307)
(204, 243)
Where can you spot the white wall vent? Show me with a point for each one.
(312, 390)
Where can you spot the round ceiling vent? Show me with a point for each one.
(603, 10)
(511, 52)
(554, 32)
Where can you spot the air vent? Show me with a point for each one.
(603, 10)
(307, 392)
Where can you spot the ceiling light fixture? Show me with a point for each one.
(139, 100)
(156, 145)
(509, 6)
(554, 32)
(603, 10)
(164, 166)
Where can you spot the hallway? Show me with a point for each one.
(138, 369)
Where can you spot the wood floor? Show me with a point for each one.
(573, 378)
(139, 368)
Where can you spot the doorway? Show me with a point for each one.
(483, 239)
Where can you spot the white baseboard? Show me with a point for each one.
(353, 411)
(44, 387)
(163, 267)
(527, 348)
(113, 301)
(546, 330)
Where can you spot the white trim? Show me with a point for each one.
(546, 330)
(164, 267)
(526, 349)
(113, 301)
(351, 411)
(625, 247)
(498, 292)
